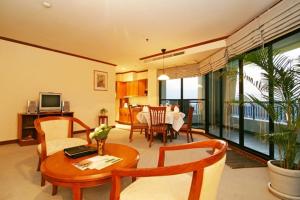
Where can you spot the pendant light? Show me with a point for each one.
(163, 76)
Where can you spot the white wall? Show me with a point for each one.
(25, 71)
(153, 88)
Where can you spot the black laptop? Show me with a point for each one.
(79, 151)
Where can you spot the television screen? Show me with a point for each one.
(50, 101)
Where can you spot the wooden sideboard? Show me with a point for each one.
(124, 116)
(27, 134)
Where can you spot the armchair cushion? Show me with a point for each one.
(56, 145)
(175, 187)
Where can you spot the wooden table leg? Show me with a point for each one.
(54, 190)
(77, 193)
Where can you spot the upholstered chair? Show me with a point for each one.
(192, 180)
(56, 133)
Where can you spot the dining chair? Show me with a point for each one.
(157, 123)
(187, 127)
(173, 106)
(135, 125)
(55, 134)
(173, 182)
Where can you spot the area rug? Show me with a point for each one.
(236, 160)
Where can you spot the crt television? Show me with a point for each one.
(49, 101)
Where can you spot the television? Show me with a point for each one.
(50, 102)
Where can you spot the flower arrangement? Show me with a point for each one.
(100, 132)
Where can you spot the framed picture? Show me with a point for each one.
(100, 80)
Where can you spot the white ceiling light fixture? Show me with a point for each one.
(163, 76)
(46, 4)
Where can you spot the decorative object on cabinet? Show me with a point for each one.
(27, 134)
(103, 111)
(66, 106)
(31, 107)
(100, 80)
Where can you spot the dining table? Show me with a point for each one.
(175, 119)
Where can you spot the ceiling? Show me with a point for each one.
(122, 31)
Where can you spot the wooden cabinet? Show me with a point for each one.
(27, 134)
(121, 89)
(131, 88)
(142, 87)
(124, 116)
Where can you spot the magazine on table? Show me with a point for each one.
(97, 162)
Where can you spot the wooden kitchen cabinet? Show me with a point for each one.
(131, 88)
(142, 87)
(121, 89)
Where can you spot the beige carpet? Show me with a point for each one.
(19, 179)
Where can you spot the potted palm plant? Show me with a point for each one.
(283, 77)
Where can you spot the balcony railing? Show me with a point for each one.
(256, 112)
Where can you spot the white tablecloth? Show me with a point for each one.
(173, 118)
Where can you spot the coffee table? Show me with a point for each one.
(58, 169)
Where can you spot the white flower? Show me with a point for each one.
(92, 135)
(102, 126)
(100, 132)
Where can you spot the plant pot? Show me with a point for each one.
(284, 183)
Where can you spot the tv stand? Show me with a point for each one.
(27, 134)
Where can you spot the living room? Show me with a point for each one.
(54, 52)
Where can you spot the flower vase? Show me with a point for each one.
(100, 146)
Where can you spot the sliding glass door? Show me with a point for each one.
(231, 102)
(223, 107)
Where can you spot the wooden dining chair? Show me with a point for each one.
(55, 134)
(187, 127)
(173, 182)
(173, 106)
(135, 125)
(157, 123)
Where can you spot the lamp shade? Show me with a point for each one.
(163, 77)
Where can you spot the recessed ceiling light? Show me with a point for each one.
(46, 4)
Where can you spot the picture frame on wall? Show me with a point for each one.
(100, 80)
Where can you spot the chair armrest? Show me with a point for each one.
(86, 127)
(41, 140)
(147, 172)
(212, 143)
(197, 167)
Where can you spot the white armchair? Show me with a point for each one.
(173, 182)
(55, 134)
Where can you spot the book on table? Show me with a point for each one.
(79, 151)
(97, 162)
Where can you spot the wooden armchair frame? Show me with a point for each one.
(42, 139)
(197, 167)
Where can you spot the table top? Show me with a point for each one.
(58, 167)
(173, 118)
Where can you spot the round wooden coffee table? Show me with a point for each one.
(58, 169)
